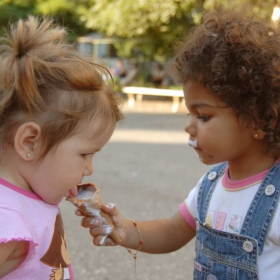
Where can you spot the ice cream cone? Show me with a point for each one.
(89, 202)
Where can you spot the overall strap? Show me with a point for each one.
(207, 187)
(260, 215)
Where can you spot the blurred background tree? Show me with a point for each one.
(155, 23)
(12, 10)
(158, 22)
(63, 11)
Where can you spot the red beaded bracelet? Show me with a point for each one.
(134, 255)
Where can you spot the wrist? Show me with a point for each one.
(140, 244)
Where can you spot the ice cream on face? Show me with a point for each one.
(192, 143)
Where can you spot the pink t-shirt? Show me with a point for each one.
(25, 216)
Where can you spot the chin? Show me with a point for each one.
(207, 160)
(53, 201)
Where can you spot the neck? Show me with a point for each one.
(240, 169)
(10, 166)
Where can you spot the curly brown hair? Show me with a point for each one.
(238, 59)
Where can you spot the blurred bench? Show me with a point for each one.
(140, 91)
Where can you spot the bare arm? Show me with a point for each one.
(159, 236)
(12, 255)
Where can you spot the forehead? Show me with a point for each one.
(196, 94)
(96, 126)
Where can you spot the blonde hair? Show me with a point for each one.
(45, 80)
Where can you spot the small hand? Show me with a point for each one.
(99, 232)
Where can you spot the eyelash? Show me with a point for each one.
(204, 118)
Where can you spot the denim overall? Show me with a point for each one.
(227, 256)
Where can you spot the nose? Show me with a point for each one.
(190, 128)
(88, 170)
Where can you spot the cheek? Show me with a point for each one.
(212, 139)
(207, 134)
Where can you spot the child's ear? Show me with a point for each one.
(259, 133)
(26, 140)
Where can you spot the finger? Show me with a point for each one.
(78, 212)
(99, 240)
(102, 230)
(110, 209)
(110, 242)
(115, 214)
(103, 240)
(89, 222)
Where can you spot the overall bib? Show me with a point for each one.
(227, 256)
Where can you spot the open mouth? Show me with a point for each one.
(72, 192)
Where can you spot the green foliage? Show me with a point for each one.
(154, 24)
(12, 10)
(162, 22)
(158, 21)
(63, 12)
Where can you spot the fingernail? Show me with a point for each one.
(111, 205)
(107, 230)
(94, 222)
(103, 240)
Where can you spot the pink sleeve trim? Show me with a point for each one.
(6, 240)
(187, 215)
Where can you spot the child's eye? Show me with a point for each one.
(84, 155)
(204, 118)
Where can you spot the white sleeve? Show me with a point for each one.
(191, 200)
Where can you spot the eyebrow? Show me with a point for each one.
(201, 104)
